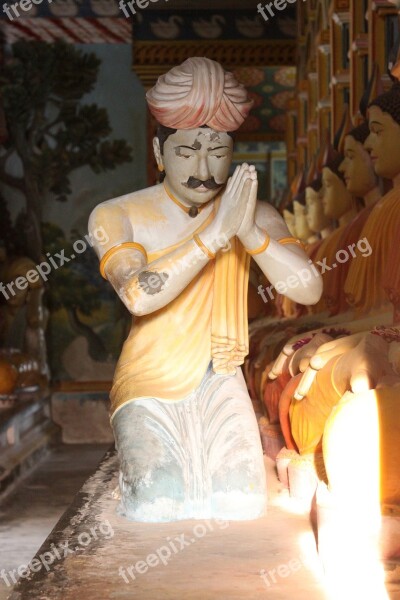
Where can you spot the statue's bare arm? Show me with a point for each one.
(147, 287)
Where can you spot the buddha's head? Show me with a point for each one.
(383, 143)
(289, 219)
(357, 167)
(198, 105)
(336, 199)
(300, 215)
(316, 218)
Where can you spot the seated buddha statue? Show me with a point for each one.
(339, 205)
(361, 181)
(317, 221)
(350, 365)
(365, 284)
(23, 318)
(289, 219)
(378, 407)
(374, 478)
(358, 369)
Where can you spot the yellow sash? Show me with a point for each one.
(167, 352)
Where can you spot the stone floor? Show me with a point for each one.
(113, 559)
(29, 514)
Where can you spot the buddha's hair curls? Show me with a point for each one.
(389, 102)
(360, 133)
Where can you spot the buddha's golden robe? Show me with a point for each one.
(364, 286)
(168, 351)
(334, 286)
(308, 416)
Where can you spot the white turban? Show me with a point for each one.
(199, 92)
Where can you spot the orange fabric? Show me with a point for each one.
(308, 416)
(335, 297)
(364, 286)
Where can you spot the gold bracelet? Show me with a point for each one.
(291, 240)
(115, 249)
(262, 248)
(203, 247)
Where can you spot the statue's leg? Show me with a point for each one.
(196, 458)
(151, 465)
(232, 449)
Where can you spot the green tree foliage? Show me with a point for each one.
(51, 130)
(70, 288)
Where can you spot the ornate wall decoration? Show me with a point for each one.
(152, 59)
(107, 30)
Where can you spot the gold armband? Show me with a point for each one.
(203, 247)
(262, 248)
(291, 240)
(115, 249)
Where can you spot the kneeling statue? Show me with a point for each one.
(178, 256)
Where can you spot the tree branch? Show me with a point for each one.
(38, 119)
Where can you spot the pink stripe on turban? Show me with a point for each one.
(199, 92)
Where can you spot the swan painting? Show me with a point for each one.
(251, 28)
(64, 8)
(209, 28)
(287, 26)
(169, 29)
(104, 8)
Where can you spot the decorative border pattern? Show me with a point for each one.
(152, 59)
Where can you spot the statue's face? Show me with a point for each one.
(302, 229)
(336, 199)
(197, 163)
(383, 143)
(357, 168)
(290, 222)
(316, 219)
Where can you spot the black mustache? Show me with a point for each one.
(210, 184)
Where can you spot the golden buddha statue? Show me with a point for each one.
(338, 205)
(364, 286)
(290, 220)
(350, 364)
(361, 181)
